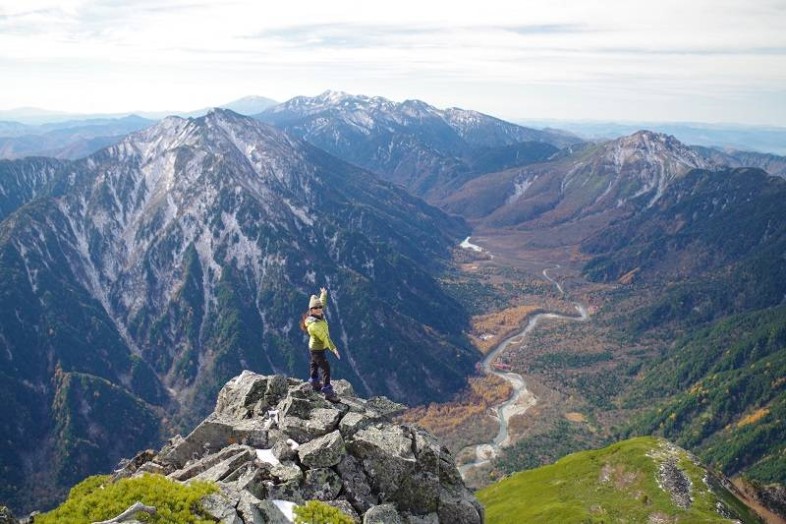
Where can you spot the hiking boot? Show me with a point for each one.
(329, 393)
(315, 384)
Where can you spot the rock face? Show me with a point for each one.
(271, 441)
(6, 517)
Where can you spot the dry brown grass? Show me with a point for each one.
(753, 417)
(628, 277)
(749, 496)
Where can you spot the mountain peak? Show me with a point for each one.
(220, 115)
(653, 149)
(250, 105)
(332, 96)
(652, 139)
(218, 129)
(286, 443)
(613, 178)
(220, 111)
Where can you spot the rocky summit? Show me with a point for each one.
(272, 442)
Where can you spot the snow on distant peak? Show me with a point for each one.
(464, 116)
(220, 114)
(654, 159)
(333, 97)
(654, 148)
(168, 134)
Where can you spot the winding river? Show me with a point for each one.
(521, 399)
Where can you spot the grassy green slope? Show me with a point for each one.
(620, 483)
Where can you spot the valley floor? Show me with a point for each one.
(509, 282)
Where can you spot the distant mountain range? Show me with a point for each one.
(422, 148)
(69, 136)
(69, 140)
(727, 137)
(32, 118)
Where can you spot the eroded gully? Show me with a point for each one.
(521, 399)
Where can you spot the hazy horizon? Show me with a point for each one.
(31, 115)
(622, 61)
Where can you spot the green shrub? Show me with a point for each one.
(316, 512)
(98, 498)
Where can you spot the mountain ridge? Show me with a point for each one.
(410, 143)
(641, 479)
(765, 139)
(604, 181)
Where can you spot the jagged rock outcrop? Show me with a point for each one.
(271, 442)
(6, 517)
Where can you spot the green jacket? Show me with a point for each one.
(318, 332)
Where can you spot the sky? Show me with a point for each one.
(714, 61)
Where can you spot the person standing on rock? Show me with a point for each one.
(319, 341)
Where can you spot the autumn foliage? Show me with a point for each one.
(450, 421)
(489, 330)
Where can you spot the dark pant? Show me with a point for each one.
(320, 362)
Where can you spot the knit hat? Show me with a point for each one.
(314, 302)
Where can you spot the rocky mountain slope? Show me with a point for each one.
(149, 273)
(703, 221)
(592, 183)
(24, 181)
(772, 164)
(412, 143)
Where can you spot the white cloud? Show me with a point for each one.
(509, 59)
